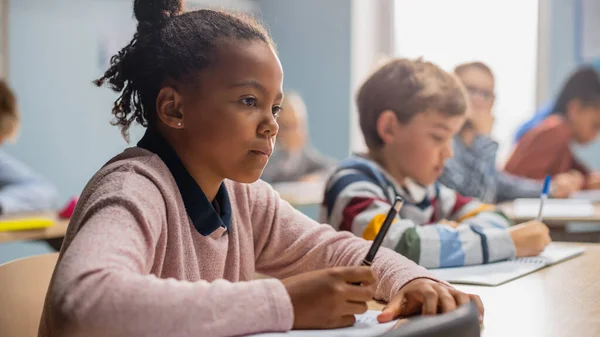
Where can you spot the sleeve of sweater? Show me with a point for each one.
(359, 205)
(288, 243)
(102, 285)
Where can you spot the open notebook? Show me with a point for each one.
(366, 326)
(554, 208)
(494, 274)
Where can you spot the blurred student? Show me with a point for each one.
(546, 149)
(472, 170)
(410, 111)
(294, 158)
(21, 189)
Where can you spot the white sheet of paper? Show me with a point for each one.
(554, 208)
(494, 274)
(591, 195)
(366, 326)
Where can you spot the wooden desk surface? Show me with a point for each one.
(561, 300)
(57, 231)
(507, 208)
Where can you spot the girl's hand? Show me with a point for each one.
(427, 297)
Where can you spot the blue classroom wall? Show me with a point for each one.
(563, 60)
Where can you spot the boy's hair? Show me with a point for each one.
(172, 45)
(459, 69)
(9, 113)
(407, 87)
(584, 85)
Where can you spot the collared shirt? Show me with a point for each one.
(472, 172)
(207, 217)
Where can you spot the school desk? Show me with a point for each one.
(561, 300)
(507, 208)
(301, 193)
(56, 231)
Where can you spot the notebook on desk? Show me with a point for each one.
(366, 325)
(27, 223)
(554, 208)
(497, 273)
(591, 195)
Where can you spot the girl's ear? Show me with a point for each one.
(168, 107)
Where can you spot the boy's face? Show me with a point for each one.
(419, 149)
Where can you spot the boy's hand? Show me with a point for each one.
(482, 121)
(326, 299)
(530, 238)
(427, 297)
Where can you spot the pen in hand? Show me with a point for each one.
(543, 197)
(396, 206)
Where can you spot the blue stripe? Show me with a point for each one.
(484, 244)
(451, 252)
(341, 183)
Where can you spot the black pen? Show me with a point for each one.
(396, 206)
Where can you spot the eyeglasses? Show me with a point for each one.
(483, 93)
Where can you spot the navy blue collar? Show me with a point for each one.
(204, 215)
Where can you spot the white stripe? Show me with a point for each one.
(471, 245)
(430, 247)
(357, 189)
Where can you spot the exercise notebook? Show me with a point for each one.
(366, 326)
(554, 208)
(18, 224)
(497, 273)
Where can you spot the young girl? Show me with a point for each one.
(472, 169)
(168, 235)
(546, 149)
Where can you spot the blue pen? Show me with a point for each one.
(544, 196)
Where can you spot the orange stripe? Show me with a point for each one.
(481, 208)
(374, 227)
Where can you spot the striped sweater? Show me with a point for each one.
(358, 196)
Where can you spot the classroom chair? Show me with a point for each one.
(23, 286)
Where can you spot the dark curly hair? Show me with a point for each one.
(168, 44)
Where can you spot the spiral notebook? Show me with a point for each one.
(366, 325)
(497, 273)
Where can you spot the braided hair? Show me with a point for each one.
(169, 44)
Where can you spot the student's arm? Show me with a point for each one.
(287, 243)
(471, 169)
(23, 190)
(511, 187)
(361, 207)
(102, 285)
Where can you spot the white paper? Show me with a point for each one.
(366, 326)
(554, 208)
(500, 272)
(301, 193)
(591, 195)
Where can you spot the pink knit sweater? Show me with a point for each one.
(132, 264)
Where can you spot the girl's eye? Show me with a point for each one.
(276, 110)
(249, 101)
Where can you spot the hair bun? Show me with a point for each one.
(156, 11)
